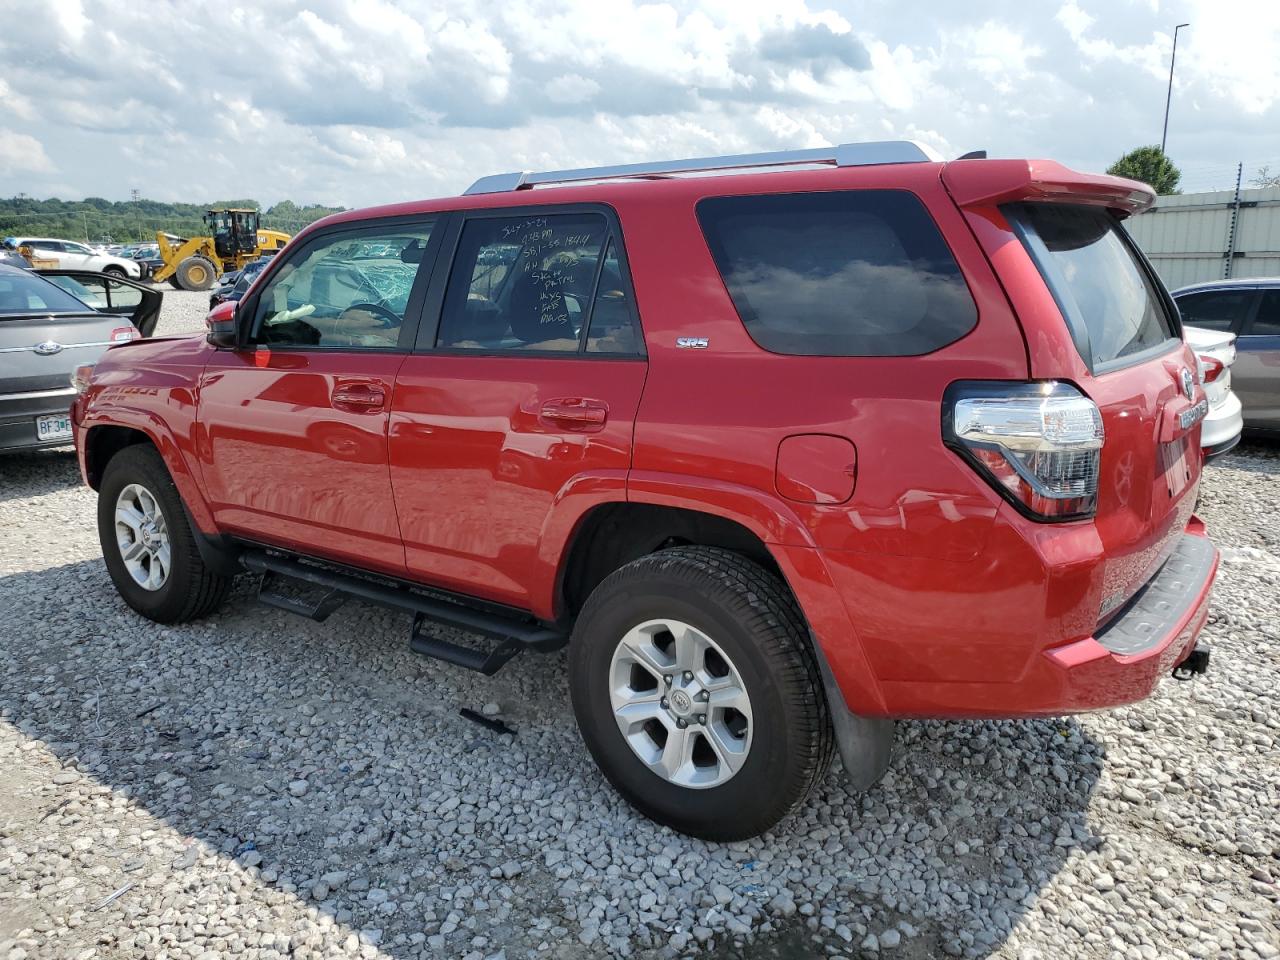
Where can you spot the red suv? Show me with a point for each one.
(782, 447)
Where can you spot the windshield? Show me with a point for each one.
(1111, 304)
(24, 293)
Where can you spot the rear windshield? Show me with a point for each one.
(856, 273)
(25, 293)
(1111, 305)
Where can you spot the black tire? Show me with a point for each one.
(191, 590)
(751, 615)
(114, 271)
(173, 282)
(196, 273)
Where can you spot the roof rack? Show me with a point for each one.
(845, 155)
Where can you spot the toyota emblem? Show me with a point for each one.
(48, 348)
(1188, 384)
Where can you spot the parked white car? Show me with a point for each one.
(1215, 352)
(78, 256)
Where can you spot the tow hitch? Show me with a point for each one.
(1197, 662)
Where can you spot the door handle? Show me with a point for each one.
(575, 413)
(359, 397)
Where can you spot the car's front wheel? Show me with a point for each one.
(696, 692)
(114, 271)
(147, 543)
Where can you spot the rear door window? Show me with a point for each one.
(1221, 310)
(842, 273)
(546, 283)
(1110, 302)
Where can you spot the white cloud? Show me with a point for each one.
(20, 153)
(572, 88)
(365, 101)
(1074, 19)
(13, 103)
(71, 18)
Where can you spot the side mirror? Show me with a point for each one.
(220, 325)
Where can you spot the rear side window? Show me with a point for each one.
(23, 292)
(1215, 309)
(1112, 306)
(860, 273)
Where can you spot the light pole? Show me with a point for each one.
(1169, 96)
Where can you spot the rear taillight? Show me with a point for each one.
(1039, 444)
(81, 376)
(124, 334)
(1212, 368)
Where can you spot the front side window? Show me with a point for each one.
(349, 290)
(1111, 305)
(523, 283)
(842, 273)
(1215, 309)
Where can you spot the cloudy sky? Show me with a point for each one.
(357, 102)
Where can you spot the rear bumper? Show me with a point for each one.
(1212, 453)
(1121, 663)
(18, 418)
(1220, 430)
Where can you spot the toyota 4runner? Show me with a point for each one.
(781, 446)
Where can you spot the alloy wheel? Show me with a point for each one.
(680, 703)
(142, 535)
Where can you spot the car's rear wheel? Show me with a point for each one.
(147, 542)
(696, 692)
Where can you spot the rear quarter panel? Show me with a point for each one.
(711, 422)
(1256, 380)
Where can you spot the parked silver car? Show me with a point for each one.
(50, 324)
(1251, 310)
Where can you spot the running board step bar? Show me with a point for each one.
(269, 592)
(512, 632)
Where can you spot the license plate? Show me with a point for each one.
(1177, 472)
(54, 427)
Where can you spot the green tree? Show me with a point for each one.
(131, 220)
(1151, 166)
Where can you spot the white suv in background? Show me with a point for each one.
(78, 256)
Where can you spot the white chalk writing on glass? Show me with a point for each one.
(545, 253)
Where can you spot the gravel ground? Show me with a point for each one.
(259, 785)
(182, 312)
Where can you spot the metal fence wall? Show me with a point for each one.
(1208, 236)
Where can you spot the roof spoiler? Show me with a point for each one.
(988, 183)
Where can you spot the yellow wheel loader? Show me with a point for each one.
(194, 263)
